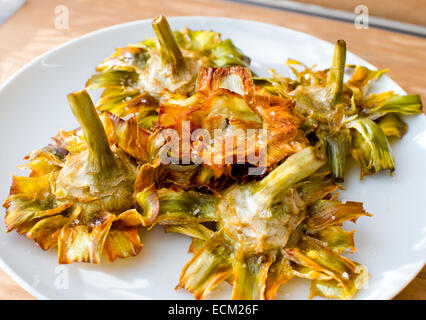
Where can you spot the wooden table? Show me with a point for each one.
(32, 31)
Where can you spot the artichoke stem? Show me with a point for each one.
(101, 159)
(170, 52)
(337, 70)
(296, 168)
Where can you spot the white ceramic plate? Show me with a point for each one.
(33, 107)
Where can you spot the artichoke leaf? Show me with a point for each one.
(360, 80)
(46, 231)
(370, 146)
(337, 149)
(349, 275)
(128, 136)
(250, 274)
(409, 104)
(336, 238)
(79, 242)
(42, 162)
(209, 266)
(117, 78)
(316, 187)
(197, 231)
(122, 243)
(392, 125)
(325, 213)
(30, 200)
(280, 272)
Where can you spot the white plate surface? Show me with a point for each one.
(33, 106)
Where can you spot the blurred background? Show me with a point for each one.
(404, 11)
(409, 11)
(397, 15)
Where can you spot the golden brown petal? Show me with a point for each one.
(84, 243)
(122, 243)
(127, 135)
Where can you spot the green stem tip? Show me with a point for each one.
(337, 70)
(297, 167)
(169, 47)
(101, 158)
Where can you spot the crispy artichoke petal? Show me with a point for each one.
(307, 76)
(309, 273)
(31, 187)
(126, 101)
(30, 199)
(236, 79)
(325, 213)
(129, 219)
(146, 194)
(409, 104)
(46, 231)
(186, 176)
(42, 162)
(360, 80)
(336, 239)
(197, 231)
(131, 55)
(250, 274)
(217, 52)
(116, 100)
(197, 40)
(348, 275)
(196, 244)
(180, 218)
(150, 204)
(126, 76)
(122, 243)
(316, 188)
(279, 273)
(296, 168)
(337, 148)
(189, 204)
(227, 54)
(370, 147)
(70, 141)
(84, 243)
(274, 86)
(128, 136)
(392, 125)
(329, 289)
(209, 266)
(123, 239)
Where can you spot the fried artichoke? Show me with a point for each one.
(267, 232)
(134, 77)
(79, 195)
(247, 167)
(342, 117)
(229, 122)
